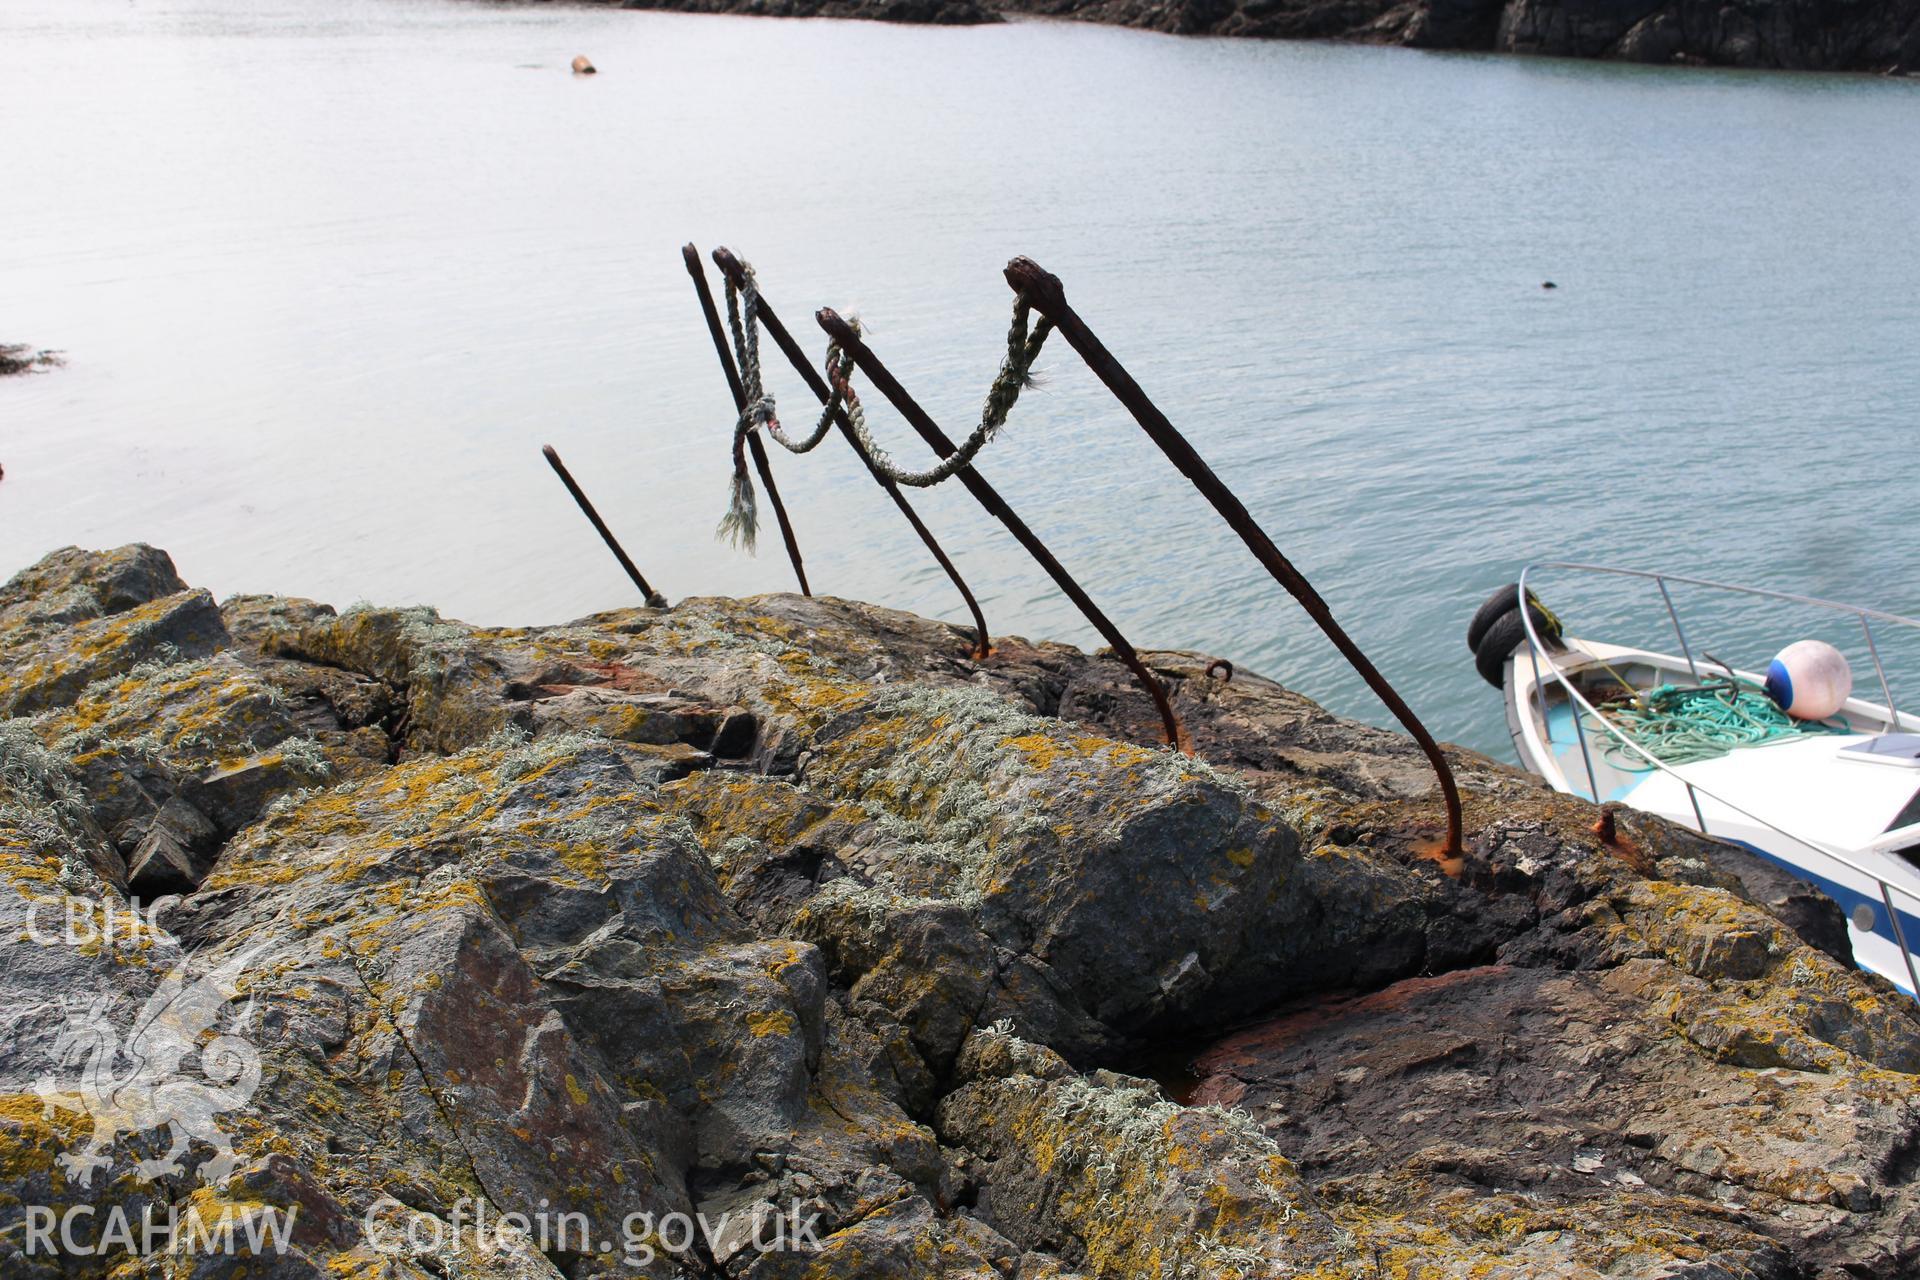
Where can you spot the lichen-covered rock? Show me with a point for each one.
(51, 668)
(49, 839)
(71, 586)
(1717, 1070)
(216, 732)
(778, 938)
(1111, 1175)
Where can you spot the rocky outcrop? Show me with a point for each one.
(784, 922)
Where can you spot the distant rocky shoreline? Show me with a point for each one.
(932, 12)
(1801, 35)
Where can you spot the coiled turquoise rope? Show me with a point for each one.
(1681, 725)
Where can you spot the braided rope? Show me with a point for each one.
(739, 525)
(743, 317)
(1683, 725)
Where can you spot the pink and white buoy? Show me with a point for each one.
(1810, 680)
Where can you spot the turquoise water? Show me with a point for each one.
(327, 281)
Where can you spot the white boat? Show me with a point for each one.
(1836, 802)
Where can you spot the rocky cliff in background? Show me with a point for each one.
(1813, 35)
(936, 12)
(783, 907)
(1807, 35)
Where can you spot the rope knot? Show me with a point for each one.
(760, 414)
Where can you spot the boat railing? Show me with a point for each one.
(1866, 617)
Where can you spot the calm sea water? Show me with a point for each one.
(329, 274)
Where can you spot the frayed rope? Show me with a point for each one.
(740, 527)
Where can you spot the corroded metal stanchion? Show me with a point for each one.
(1044, 293)
(731, 267)
(849, 341)
(754, 446)
(653, 598)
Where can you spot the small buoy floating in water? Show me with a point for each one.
(1809, 679)
(582, 67)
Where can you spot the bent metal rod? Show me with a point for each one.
(1044, 293)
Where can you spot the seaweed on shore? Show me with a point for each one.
(18, 357)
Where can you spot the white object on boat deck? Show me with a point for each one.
(1810, 679)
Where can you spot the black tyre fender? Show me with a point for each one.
(1506, 634)
(1498, 604)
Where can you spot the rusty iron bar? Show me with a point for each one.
(653, 598)
(732, 268)
(754, 444)
(1045, 294)
(848, 341)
